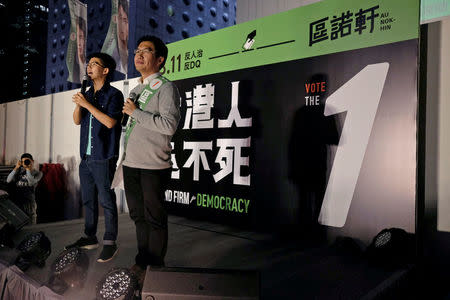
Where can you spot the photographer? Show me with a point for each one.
(23, 180)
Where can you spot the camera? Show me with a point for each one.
(27, 162)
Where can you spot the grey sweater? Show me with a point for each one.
(149, 143)
(25, 181)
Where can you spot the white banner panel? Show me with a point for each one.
(443, 166)
(38, 128)
(66, 135)
(15, 131)
(118, 84)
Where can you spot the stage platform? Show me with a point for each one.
(287, 268)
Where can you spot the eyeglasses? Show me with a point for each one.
(94, 63)
(143, 51)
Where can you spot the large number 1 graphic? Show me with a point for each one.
(359, 97)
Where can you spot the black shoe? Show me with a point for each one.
(84, 243)
(108, 252)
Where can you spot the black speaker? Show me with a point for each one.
(193, 284)
(4, 172)
(11, 213)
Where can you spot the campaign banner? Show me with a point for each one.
(317, 29)
(116, 41)
(76, 48)
(310, 110)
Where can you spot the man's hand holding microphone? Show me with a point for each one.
(79, 98)
(128, 107)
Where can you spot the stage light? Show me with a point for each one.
(118, 283)
(34, 249)
(383, 239)
(69, 269)
(391, 247)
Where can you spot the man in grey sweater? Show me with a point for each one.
(147, 164)
(25, 179)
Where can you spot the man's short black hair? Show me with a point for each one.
(107, 62)
(124, 4)
(27, 155)
(160, 47)
(82, 24)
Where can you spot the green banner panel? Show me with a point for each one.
(317, 29)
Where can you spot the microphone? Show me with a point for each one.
(84, 84)
(133, 97)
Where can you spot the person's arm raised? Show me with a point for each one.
(103, 118)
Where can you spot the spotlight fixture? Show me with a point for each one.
(34, 249)
(118, 283)
(383, 239)
(391, 247)
(69, 269)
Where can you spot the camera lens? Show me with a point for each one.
(27, 162)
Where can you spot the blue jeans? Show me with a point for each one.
(95, 180)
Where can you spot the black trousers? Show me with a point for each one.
(144, 190)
